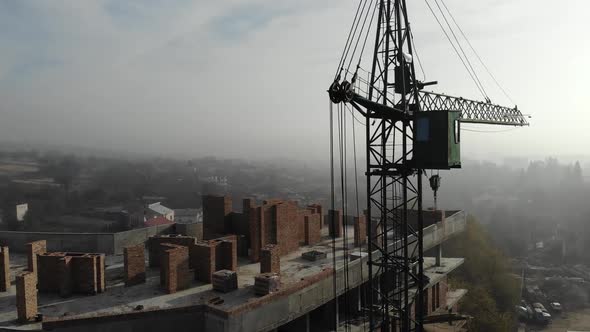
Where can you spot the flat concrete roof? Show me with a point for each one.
(118, 299)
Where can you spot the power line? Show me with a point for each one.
(461, 48)
(477, 55)
(455, 48)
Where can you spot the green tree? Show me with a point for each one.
(492, 290)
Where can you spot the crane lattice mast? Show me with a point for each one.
(408, 130)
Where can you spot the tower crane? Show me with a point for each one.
(408, 130)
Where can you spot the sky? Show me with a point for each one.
(248, 78)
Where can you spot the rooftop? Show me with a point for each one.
(296, 274)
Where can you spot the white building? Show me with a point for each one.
(21, 211)
(161, 210)
(188, 216)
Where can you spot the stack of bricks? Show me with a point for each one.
(270, 259)
(26, 296)
(203, 260)
(67, 273)
(266, 283)
(4, 269)
(175, 274)
(335, 223)
(313, 229)
(225, 281)
(134, 261)
(360, 231)
(34, 249)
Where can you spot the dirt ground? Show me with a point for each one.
(569, 321)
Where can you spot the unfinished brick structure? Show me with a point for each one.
(317, 209)
(174, 273)
(203, 258)
(270, 260)
(266, 283)
(360, 231)
(335, 223)
(225, 281)
(67, 273)
(4, 269)
(284, 220)
(26, 296)
(313, 228)
(34, 249)
(155, 248)
(216, 216)
(226, 257)
(134, 262)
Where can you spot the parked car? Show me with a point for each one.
(541, 316)
(555, 306)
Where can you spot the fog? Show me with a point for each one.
(248, 78)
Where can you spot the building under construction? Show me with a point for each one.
(236, 279)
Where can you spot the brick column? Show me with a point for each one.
(26, 296)
(270, 260)
(227, 254)
(4, 269)
(174, 265)
(134, 261)
(360, 231)
(312, 229)
(203, 257)
(34, 249)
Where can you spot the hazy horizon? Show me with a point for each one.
(248, 79)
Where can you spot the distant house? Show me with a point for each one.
(21, 211)
(157, 221)
(188, 216)
(157, 209)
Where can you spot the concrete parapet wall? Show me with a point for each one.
(107, 243)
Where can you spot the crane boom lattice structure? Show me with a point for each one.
(407, 131)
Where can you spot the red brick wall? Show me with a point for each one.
(256, 224)
(289, 227)
(4, 269)
(270, 259)
(360, 231)
(203, 258)
(155, 246)
(26, 296)
(216, 221)
(175, 266)
(66, 273)
(84, 274)
(335, 230)
(134, 261)
(34, 249)
(313, 229)
(316, 208)
(227, 254)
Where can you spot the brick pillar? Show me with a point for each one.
(257, 231)
(34, 249)
(312, 229)
(100, 276)
(174, 263)
(26, 296)
(84, 274)
(335, 223)
(4, 269)
(134, 261)
(216, 220)
(228, 254)
(270, 260)
(64, 276)
(203, 257)
(360, 231)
